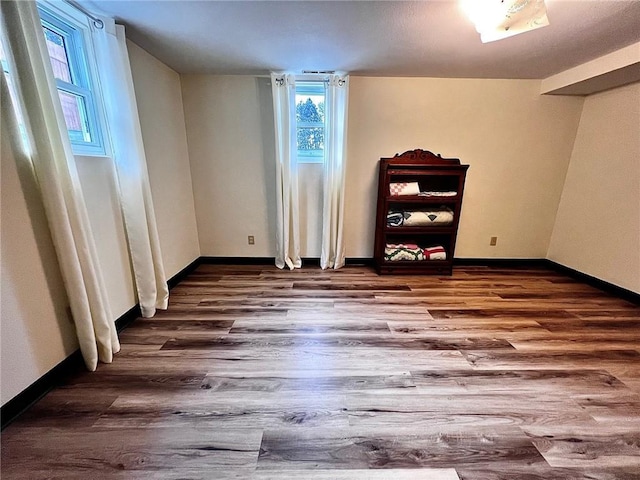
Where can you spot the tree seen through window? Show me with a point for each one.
(310, 121)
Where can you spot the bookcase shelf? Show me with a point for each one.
(418, 211)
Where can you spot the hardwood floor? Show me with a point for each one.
(263, 374)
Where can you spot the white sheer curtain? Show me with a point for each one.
(283, 87)
(133, 178)
(337, 100)
(49, 152)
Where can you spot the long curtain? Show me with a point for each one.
(50, 154)
(283, 87)
(131, 167)
(337, 99)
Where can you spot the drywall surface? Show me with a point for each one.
(516, 142)
(159, 99)
(230, 136)
(597, 229)
(36, 330)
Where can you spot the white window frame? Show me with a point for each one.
(76, 30)
(311, 86)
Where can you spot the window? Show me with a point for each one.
(310, 121)
(12, 91)
(67, 52)
(3, 60)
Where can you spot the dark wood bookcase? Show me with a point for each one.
(434, 176)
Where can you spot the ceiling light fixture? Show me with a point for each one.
(498, 19)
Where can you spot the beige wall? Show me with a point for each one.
(159, 99)
(597, 229)
(231, 149)
(36, 331)
(517, 142)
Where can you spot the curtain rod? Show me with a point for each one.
(96, 21)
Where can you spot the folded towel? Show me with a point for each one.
(395, 252)
(412, 246)
(435, 253)
(399, 252)
(395, 219)
(404, 188)
(421, 218)
(438, 194)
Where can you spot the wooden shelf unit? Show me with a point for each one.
(432, 173)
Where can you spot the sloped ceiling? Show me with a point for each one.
(377, 38)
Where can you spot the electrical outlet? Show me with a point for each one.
(251, 239)
(493, 242)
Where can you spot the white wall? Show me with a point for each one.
(517, 142)
(159, 99)
(597, 229)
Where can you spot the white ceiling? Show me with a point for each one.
(378, 38)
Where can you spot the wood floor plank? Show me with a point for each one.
(590, 447)
(359, 474)
(550, 382)
(499, 313)
(309, 327)
(393, 448)
(139, 451)
(544, 472)
(126, 382)
(316, 384)
(296, 342)
(470, 410)
(609, 408)
(213, 410)
(504, 359)
(577, 344)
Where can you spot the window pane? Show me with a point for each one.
(58, 55)
(310, 139)
(3, 59)
(75, 116)
(310, 120)
(12, 93)
(310, 108)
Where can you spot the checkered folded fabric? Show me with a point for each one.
(404, 188)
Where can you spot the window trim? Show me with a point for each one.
(75, 32)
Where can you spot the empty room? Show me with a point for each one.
(340, 240)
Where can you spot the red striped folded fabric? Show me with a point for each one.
(435, 253)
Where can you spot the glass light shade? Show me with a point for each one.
(498, 19)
